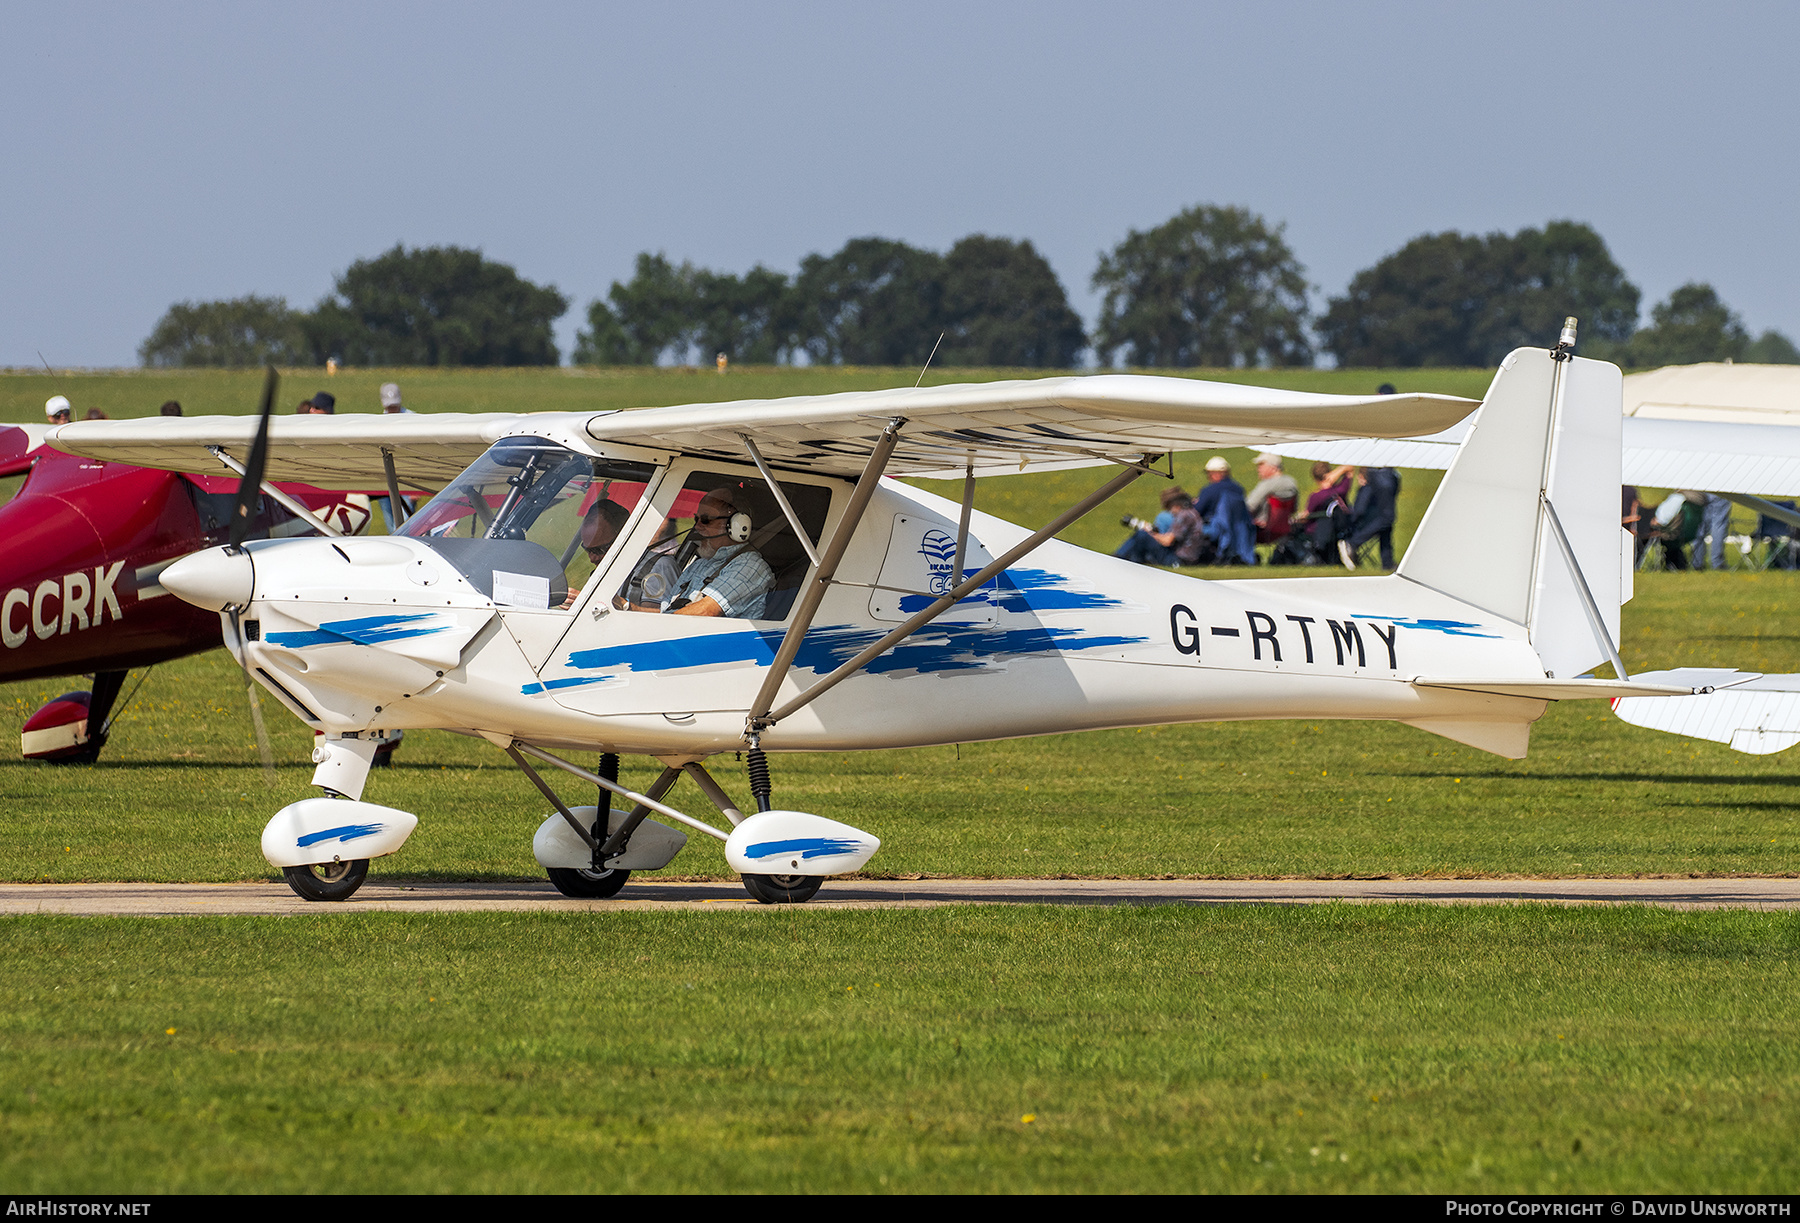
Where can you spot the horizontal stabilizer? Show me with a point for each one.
(1579, 689)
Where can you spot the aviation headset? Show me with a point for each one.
(739, 526)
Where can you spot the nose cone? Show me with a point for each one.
(214, 579)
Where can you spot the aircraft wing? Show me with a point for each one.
(333, 452)
(1041, 424)
(1754, 713)
(1712, 456)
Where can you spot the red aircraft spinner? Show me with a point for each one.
(85, 542)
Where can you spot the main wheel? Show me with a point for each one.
(327, 880)
(587, 884)
(783, 889)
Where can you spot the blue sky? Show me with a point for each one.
(156, 153)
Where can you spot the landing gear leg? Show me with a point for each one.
(773, 889)
(102, 697)
(597, 882)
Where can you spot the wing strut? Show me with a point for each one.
(781, 499)
(759, 720)
(294, 507)
(401, 513)
(822, 575)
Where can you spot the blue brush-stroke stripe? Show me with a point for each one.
(1451, 628)
(939, 648)
(364, 630)
(806, 847)
(1027, 590)
(349, 832)
(1024, 590)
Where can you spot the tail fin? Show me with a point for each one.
(1545, 450)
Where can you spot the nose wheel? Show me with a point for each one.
(782, 889)
(327, 880)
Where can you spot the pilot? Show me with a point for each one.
(727, 576)
(599, 529)
(59, 409)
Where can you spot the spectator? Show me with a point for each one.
(1373, 515)
(1221, 507)
(322, 404)
(58, 410)
(1326, 517)
(390, 400)
(1677, 524)
(171, 408)
(1631, 517)
(1271, 503)
(1184, 543)
(96, 414)
(1715, 525)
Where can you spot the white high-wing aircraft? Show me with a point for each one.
(878, 615)
(1706, 427)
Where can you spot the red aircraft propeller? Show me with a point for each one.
(84, 544)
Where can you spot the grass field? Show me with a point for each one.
(1338, 1048)
(1323, 1049)
(179, 795)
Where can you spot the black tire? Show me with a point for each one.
(783, 889)
(327, 880)
(587, 885)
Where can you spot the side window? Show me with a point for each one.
(727, 549)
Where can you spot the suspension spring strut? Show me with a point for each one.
(758, 768)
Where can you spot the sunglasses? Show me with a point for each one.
(706, 520)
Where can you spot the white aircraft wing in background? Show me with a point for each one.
(1753, 713)
(1711, 456)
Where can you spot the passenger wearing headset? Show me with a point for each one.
(727, 577)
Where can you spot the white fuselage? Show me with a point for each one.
(357, 635)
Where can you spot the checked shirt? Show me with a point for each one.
(737, 578)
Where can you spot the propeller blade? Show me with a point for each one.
(256, 718)
(250, 487)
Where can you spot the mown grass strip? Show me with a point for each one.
(1332, 1048)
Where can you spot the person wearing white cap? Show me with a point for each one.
(390, 400)
(59, 409)
(1221, 507)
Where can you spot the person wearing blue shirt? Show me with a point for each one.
(726, 577)
(1228, 524)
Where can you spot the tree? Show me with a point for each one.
(1547, 275)
(1459, 299)
(1772, 348)
(243, 331)
(438, 305)
(1418, 306)
(650, 316)
(874, 302)
(1210, 286)
(749, 318)
(1003, 305)
(1692, 326)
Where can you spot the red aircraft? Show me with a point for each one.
(84, 544)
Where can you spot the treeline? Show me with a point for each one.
(1212, 286)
